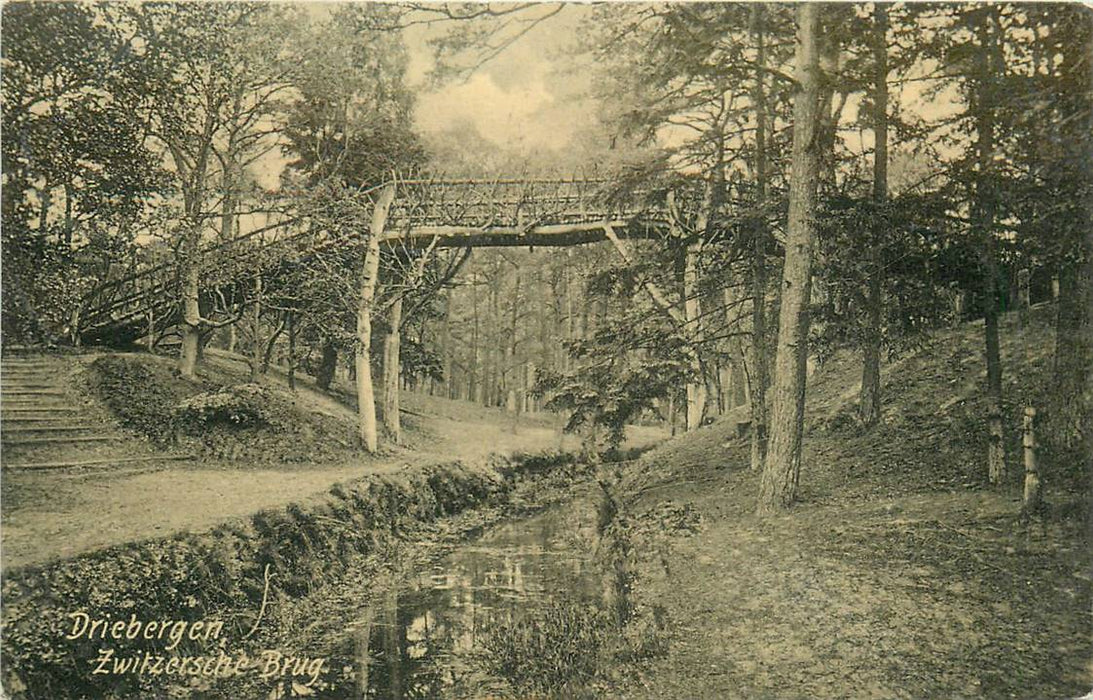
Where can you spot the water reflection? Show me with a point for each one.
(417, 641)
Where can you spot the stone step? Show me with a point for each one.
(29, 407)
(31, 392)
(59, 440)
(6, 385)
(34, 407)
(24, 420)
(17, 421)
(20, 430)
(24, 403)
(100, 462)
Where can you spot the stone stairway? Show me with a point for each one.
(46, 423)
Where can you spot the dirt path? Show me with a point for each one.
(60, 515)
(48, 515)
(52, 515)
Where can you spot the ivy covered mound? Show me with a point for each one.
(214, 418)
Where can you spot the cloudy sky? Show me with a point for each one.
(525, 98)
(528, 98)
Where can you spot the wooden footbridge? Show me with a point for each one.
(439, 213)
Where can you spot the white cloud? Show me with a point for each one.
(518, 118)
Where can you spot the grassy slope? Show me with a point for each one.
(900, 574)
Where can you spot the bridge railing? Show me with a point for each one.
(503, 204)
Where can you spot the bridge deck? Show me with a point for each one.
(436, 212)
(547, 235)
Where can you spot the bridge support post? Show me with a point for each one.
(391, 372)
(191, 315)
(366, 396)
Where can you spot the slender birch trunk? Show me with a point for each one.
(191, 310)
(366, 399)
(392, 372)
(985, 215)
(696, 387)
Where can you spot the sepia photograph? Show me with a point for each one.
(546, 350)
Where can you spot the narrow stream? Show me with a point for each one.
(417, 641)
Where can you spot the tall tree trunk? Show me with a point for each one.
(758, 378)
(193, 195)
(672, 423)
(366, 398)
(446, 344)
(1072, 374)
(696, 387)
(513, 383)
(150, 341)
(778, 486)
(328, 365)
(724, 388)
(870, 398)
(569, 313)
(228, 206)
(391, 372)
(255, 359)
(699, 390)
(1071, 414)
(270, 343)
(45, 202)
(474, 389)
(527, 405)
(191, 310)
(984, 221)
(292, 350)
(69, 222)
(493, 344)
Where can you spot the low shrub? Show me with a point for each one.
(549, 651)
(240, 406)
(569, 649)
